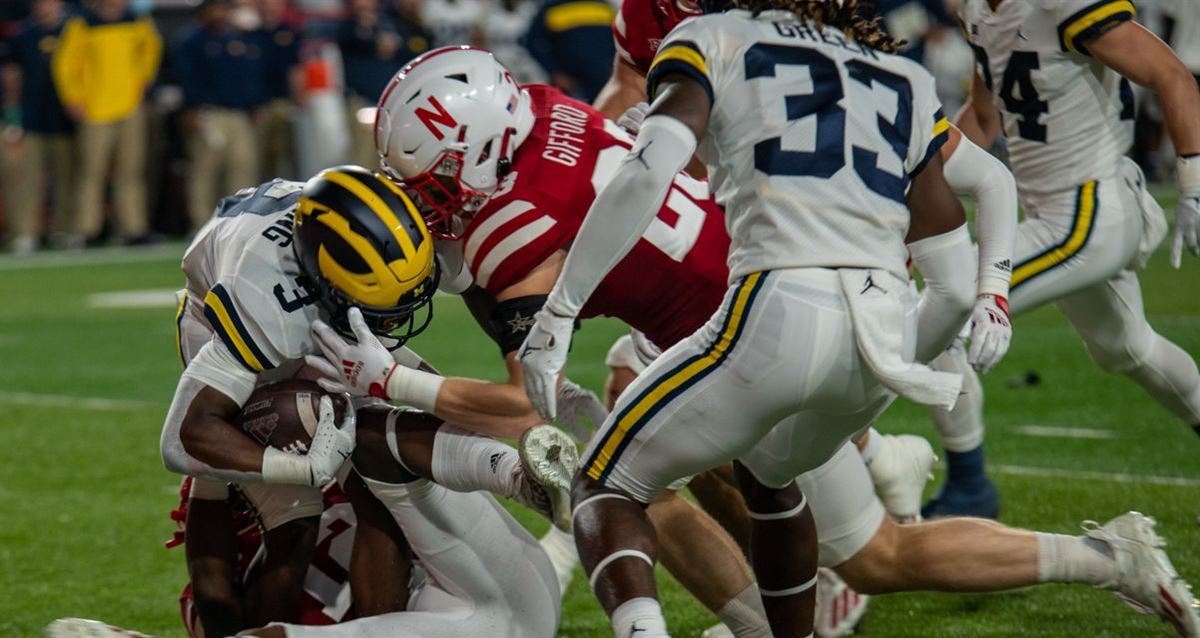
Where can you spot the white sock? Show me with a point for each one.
(872, 447)
(1074, 559)
(560, 547)
(467, 462)
(961, 429)
(745, 616)
(641, 614)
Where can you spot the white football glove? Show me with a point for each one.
(991, 331)
(360, 369)
(1187, 228)
(331, 444)
(631, 120)
(331, 447)
(543, 356)
(1187, 213)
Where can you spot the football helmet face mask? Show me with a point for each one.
(447, 127)
(676, 11)
(361, 243)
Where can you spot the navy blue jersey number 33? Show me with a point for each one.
(828, 155)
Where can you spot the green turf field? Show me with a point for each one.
(84, 498)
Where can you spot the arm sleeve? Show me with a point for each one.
(949, 293)
(623, 210)
(1081, 21)
(175, 457)
(973, 171)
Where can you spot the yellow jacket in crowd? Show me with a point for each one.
(103, 68)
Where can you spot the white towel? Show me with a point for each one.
(877, 312)
(1154, 221)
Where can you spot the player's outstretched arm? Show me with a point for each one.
(618, 217)
(973, 171)
(1136, 53)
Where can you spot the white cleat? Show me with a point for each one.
(549, 460)
(839, 608)
(1146, 580)
(900, 471)
(84, 628)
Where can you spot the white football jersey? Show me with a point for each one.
(812, 140)
(1067, 118)
(243, 279)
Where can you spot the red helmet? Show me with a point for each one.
(675, 11)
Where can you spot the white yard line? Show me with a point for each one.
(97, 404)
(94, 256)
(147, 298)
(1049, 431)
(1107, 477)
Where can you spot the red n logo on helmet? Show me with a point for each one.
(434, 120)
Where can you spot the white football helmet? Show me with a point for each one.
(446, 129)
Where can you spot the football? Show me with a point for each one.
(284, 415)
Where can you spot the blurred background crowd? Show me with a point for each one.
(124, 121)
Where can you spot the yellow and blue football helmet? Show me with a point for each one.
(362, 243)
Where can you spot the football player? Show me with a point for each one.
(273, 260)
(1054, 78)
(639, 30)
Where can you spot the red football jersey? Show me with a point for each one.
(670, 283)
(638, 31)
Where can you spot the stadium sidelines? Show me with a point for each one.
(100, 404)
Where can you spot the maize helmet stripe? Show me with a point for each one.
(379, 204)
(342, 202)
(365, 287)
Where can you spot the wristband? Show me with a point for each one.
(208, 490)
(280, 467)
(1187, 174)
(993, 282)
(414, 387)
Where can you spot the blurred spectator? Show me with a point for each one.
(10, 117)
(374, 47)
(102, 68)
(915, 21)
(46, 143)
(222, 70)
(503, 33)
(572, 40)
(453, 22)
(284, 90)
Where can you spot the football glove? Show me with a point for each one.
(331, 447)
(366, 368)
(991, 331)
(1187, 212)
(543, 356)
(631, 120)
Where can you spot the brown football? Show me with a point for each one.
(284, 415)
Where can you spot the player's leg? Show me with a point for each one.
(1111, 319)
(701, 404)
(723, 583)
(973, 555)
(400, 445)
(290, 516)
(381, 563)
(968, 491)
